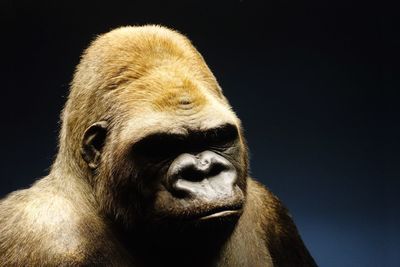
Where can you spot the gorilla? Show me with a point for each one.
(151, 170)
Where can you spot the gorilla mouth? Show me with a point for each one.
(219, 213)
(222, 214)
(197, 209)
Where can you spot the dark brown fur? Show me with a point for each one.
(75, 216)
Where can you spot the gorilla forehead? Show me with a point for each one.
(170, 87)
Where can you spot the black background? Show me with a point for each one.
(315, 85)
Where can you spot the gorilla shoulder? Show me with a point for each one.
(276, 226)
(34, 221)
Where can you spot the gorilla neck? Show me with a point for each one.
(179, 245)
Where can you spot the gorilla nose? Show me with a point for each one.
(206, 175)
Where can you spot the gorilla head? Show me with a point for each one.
(158, 140)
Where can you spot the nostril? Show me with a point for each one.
(216, 169)
(192, 174)
(202, 170)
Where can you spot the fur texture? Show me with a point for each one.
(140, 80)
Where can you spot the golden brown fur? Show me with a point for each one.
(139, 79)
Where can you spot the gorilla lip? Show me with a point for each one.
(220, 214)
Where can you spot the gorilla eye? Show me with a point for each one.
(162, 146)
(158, 146)
(222, 136)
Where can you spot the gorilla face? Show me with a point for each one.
(169, 146)
(192, 176)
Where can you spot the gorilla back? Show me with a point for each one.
(152, 170)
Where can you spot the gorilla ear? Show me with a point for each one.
(93, 142)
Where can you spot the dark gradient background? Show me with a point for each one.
(314, 84)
